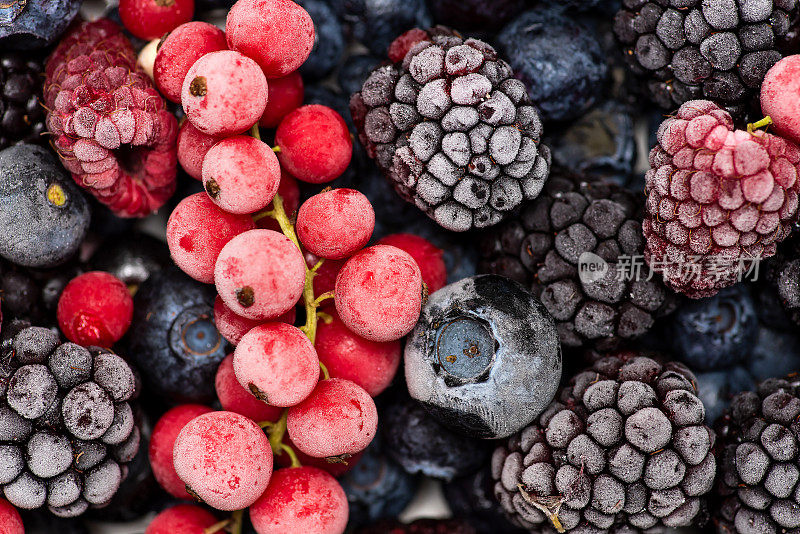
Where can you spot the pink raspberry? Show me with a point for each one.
(780, 96)
(234, 398)
(108, 123)
(716, 196)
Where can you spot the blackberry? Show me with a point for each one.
(783, 274)
(21, 113)
(687, 49)
(577, 222)
(760, 466)
(67, 430)
(623, 449)
(452, 129)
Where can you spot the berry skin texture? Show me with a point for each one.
(181, 519)
(224, 458)
(277, 363)
(95, 308)
(241, 174)
(315, 144)
(150, 19)
(192, 246)
(285, 95)
(178, 52)
(335, 224)
(234, 398)
(10, 521)
(232, 327)
(428, 256)
(193, 145)
(260, 274)
(301, 499)
(224, 93)
(277, 34)
(338, 418)
(780, 97)
(162, 441)
(369, 364)
(379, 293)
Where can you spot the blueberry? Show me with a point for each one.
(715, 332)
(377, 22)
(30, 24)
(485, 357)
(132, 258)
(559, 59)
(45, 216)
(328, 40)
(173, 339)
(717, 388)
(775, 353)
(420, 444)
(354, 72)
(480, 15)
(472, 498)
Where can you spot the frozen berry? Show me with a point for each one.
(224, 458)
(336, 468)
(301, 499)
(369, 364)
(241, 174)
(95, 308)
(277, 363)
(197, 230)
(234, 398)
(10, 521)
(232, 327)
(335, 224)
(338, 419)
(162, 441)
(181, 519)
(179, 50)
(289, 192)
(224, 93)
(260, 274)
(278, 34)
(193, 145)
(285, 95)
(315, 144)
(379, 293)
(780, 96)
(429, 258)
(150, 19)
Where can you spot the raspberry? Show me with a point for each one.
(379, 293)
(278, 34)
(181, 519)
(232, 327)
(716, 197)
(162, 441)
(224, 93)
(150, 19)
(285, 95)
(234, 398)
(369, 364)
(95, 308)
(429, 258)
(301, 499)
(338, 419)
(179, 50)
(260, 274)
(780, 97)
(315, 144)
(193, 145)
(335, 224)
(241, 174)
(193, 247)
(224, 458)
(10, 521)
(277, 363)
(108, 123)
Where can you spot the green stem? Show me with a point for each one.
(753, 126)
(326, 375)
(277, 432)
(292, 455)
(216, 527)
(327, 295)
(255, 132)
(236, 525)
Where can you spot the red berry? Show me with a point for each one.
(403, 43)
(224, 458)
(162, 441)
(150, 19)
(232, 327)
(197, 230)
(278, 34)
(369, 364)
(338, 418)
(780, 96)
(301, 499)
(224, 93)
(179, 51)
(335, 224)
(181, 519)
(260, 274)
(429, 258)
(336, 469)
(193, 145)
(315, 144)
(234, 398)
(241, 174)
(95, 308)
(325, 277)
(10, 521)
(285, 95)
(277, 363)
(379, 293)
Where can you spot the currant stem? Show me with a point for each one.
(216, 527)
(327, 295)
(255, 132)
(276, 432)
(753, 126)
(236, 526)
(292, 455)
(325, 374)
